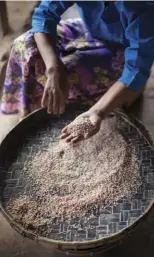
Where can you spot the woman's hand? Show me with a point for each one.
(56, 90)
(95, 120)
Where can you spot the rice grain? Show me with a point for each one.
(66, 182)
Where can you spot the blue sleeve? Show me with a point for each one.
(139, 56)
(47, 16)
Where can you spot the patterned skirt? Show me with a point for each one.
(91, 66)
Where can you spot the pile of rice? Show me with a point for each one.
(65, 182)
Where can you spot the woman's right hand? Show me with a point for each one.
(56, 90)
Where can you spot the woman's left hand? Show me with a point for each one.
(94, 119)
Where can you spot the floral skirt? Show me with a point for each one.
(91, 65)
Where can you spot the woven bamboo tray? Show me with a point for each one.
(108, 227)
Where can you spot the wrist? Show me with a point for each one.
(52, 63)
(50, 70)
(52, 67)
(97, 111)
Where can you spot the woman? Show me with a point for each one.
(76, 59)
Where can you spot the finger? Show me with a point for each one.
(55, 103)
(64, 135)
(44, 99)
(69, 139)
(76, 140)
(64, 130)
(50, 102)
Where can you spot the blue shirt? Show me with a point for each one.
(126, 22)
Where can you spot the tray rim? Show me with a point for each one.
(90, 244)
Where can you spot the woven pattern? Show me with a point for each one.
(100, 223)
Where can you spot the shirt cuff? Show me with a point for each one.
(134, 79)
(47, 26)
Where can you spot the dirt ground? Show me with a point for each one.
(19, 14)
(141, 241)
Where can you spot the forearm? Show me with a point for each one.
(115, 97)
(48, 50)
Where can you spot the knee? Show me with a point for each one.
(24, 41)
